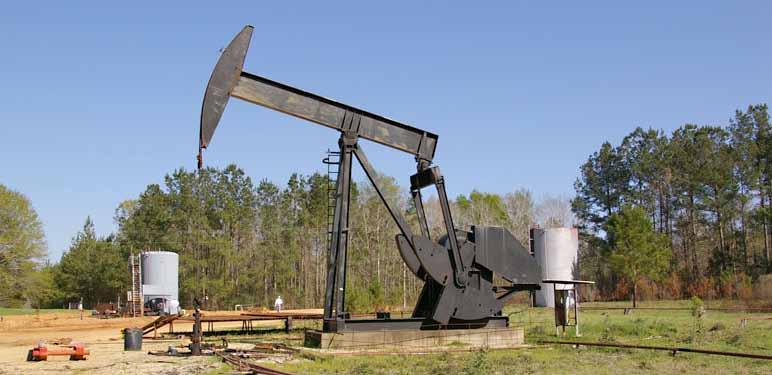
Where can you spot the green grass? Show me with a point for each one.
(721, 331)
(4, 311)
(558, 360)
(222, 368)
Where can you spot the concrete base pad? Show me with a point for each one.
(417, 339)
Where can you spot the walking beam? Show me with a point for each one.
(228, 79)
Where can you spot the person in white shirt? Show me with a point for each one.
(277, 305)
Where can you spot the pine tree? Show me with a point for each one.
(636, 250)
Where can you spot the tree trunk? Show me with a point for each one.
(662, 221)
(315, 300)
(766, 241)
(693, 225)
(768, 234)
(635, 293)
(404, 288)
(766, 226)
(721, 239)
(743, 218)
(685, 252)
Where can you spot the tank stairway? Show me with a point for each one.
(136, 309)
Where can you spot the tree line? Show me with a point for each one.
(245, 243)
(666, 215)
(242, 242)
(706, 189)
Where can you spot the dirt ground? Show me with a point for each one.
(104, 340)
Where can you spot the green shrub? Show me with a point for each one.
(479, 364)
(698, 313)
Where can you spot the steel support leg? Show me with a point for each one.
(334, 302)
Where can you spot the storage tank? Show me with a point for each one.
(557, 253)
(160, 276)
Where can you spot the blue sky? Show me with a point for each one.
(99, 100)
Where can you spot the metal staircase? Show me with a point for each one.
(135, 295)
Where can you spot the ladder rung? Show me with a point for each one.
(333, 161)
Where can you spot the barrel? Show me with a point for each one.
(132, 339)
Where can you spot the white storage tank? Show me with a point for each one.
(557, 253)
(160, 277)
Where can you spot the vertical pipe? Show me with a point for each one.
(576, 308)
(532, 250)
(195, 344)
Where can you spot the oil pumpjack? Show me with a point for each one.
(457, 269)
